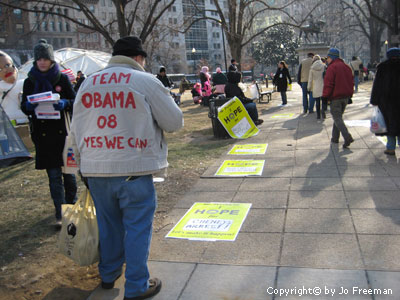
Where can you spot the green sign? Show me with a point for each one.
(241, 168)
(248, 149)
(211, 222)
(235, 119)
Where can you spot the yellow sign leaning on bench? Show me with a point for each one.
(236, 120)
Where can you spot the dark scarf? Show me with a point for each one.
(44, 82)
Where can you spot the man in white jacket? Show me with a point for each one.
(119, 117)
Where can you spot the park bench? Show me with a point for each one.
(262, 94)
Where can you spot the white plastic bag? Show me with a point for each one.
(79, 235)
(378, 124)
(254, 92)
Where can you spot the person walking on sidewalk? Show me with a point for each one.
(302, 80)
(316, 84)
(355, 66)
(48, 135)
(281, 79)
(385, 94)
(120, 114)
(338, 89)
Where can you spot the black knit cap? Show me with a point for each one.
(129, 46)
(43, 50)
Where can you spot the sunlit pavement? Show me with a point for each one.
(324, 222)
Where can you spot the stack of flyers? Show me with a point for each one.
(45, 109)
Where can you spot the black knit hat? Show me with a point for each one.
(129, 46)
(43, 50)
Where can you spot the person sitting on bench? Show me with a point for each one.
(232, 89)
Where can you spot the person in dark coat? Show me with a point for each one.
(162, 76)
(281, 79)
(385, 94)
(80, 78)
(232, 89)
(48, 135)
(219, 80)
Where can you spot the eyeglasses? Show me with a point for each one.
(6, 66)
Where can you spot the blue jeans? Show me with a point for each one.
(311, 102)
(284, 97)
(391, 142)
(356, 80)
(60, 192)
(305, 94)
(125, 211)
(252, 110)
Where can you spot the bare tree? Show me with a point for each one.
(389, 17)
(132, 16)
(367, 24)
(239, 18)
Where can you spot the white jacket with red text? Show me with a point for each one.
(119, 117)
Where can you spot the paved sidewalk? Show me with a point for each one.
(323, 220)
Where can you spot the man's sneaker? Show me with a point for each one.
(109, 285)
(389, 152)
(58, 224)
(348, 142)
(154, 289)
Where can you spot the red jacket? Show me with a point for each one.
(338, 81)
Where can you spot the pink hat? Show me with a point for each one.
(218, 70)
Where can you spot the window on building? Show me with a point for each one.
(58, 10)
(66, 12)
(44, 11)
(175, 21)
(104, 15)
(67, 27)
(60, 26)
(17, 13)
(45, 26)
(52, 26)
(110, 4)
(55, 42)
(92, 8)
(69, 40)
(21, 42)
(170, 20)
(62, 42)
(2, 40)
(174, 8)
(103, 2)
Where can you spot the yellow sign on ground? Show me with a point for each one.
(212, 221)
(235, 119)
(283, 116)
(382, 138)
(241, 168)
(248, 149)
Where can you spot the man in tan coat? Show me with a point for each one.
(302, 80)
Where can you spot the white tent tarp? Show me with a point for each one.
(87, 61)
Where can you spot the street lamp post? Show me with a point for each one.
(194, 60)
(223, 45)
